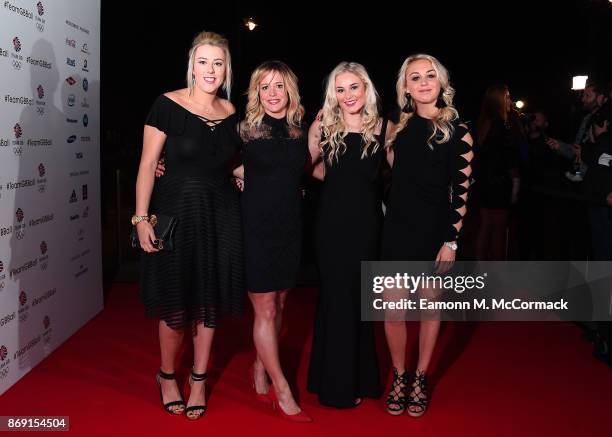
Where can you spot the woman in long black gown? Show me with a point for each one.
(349, 138)
(430, 154)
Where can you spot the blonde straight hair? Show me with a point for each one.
(333, 128)
(255, 110)
(443, 123)
(215, 40)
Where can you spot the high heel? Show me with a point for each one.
(396, 400)
(417, 401)
(264, 398)
(168, 405)
(300, 417)
(198, 410)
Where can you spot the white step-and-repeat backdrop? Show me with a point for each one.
(50, 237)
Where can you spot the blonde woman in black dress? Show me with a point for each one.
(349, 141)
(201, 280)
(274, 155)
(430, 154)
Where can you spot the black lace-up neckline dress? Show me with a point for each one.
(203, 278)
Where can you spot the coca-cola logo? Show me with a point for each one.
(23, 298)
(43, 247)
(41, 170)
(19, 215)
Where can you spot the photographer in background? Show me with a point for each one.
(593, 97)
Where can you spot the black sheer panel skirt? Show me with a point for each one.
(203, 278)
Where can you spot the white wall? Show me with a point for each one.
(50, 238)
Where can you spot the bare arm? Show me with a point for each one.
(389, 150)
(314, 139)
(153, 142)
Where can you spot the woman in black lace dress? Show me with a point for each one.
(430, 154)
(349, 139)
(192, 287)
(275, 154)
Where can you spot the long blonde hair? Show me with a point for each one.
(442, 124)
(215, 40)
(255, 110)
(332, 123)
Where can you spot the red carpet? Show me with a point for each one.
(488, 379)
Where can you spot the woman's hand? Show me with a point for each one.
(239, 182)
(161, 168)
(146, 236)
(445, 259)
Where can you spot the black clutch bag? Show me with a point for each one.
(164, 226)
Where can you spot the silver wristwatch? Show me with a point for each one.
(451, 245)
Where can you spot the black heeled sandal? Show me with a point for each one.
(418, 400)
(396, 400)
(168, 406)
(199, 410)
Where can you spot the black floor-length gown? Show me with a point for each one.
(203, 278)
(343, 362)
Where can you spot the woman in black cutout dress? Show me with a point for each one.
(343, 363)
(201, 280)
(426, 205)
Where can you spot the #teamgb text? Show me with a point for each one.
(412, 284)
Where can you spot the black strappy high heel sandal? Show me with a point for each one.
(196, 410)
(418, 397)
(396, 401)
(168, 406)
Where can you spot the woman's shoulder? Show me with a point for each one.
(177, 96)
(227, 106)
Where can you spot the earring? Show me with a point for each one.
(440, 103)
(408, 107)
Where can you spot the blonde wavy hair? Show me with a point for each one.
(333, 128)
(443, 123)
(215, 40)
(255, 110)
